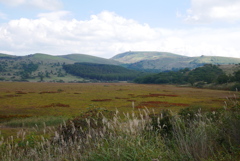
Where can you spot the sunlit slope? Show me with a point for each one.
(140, 60)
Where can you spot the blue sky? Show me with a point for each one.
(105, 28)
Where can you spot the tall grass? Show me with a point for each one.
(104, 135)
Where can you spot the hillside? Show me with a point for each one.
(43, 67)
(104, 72)
(137, 56)
(229, 69)
(5, 55)
(162, 61)
(89, 59)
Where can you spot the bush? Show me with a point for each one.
(188, 114)
(229, 128)
(236, 87)
(90, 121)
(162, 122)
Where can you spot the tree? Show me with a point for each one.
(223, 78)
(41, 76)
(191, 80)
(47, 74)
(237, 76)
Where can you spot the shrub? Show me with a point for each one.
(229, 127)
(162, 122)
(188, 114)
(236, 87)
(90, 121)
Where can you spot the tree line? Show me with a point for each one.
(103, 72)
(207, 74)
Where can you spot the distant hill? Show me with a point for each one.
(47, 58)
(44, 67)
(162, 61)
(5, 55)
(89, 59)
(137, 56)
(229, 69)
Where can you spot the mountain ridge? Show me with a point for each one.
(135, 56)
(44, 67)
(150, 61)
(162, 61)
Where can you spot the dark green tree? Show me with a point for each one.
(223, 78)
(41, 76)
(237, 76)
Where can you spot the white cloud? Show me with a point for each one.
(107, 34)
(42, 4)
(205, 11)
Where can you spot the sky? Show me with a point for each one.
(105, 28)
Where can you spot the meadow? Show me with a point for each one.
(30, 115)
(69, 99)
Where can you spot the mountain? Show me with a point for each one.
(5, 55)
(44, 67)
(162, 61)
(137, 56)
(47, 58)
(89, 59)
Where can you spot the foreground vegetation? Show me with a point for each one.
(100, 134)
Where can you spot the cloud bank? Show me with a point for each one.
(107, 34)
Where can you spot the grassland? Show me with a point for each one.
(26, 100)
(35, 99)
(31, 112)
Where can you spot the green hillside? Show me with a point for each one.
(88, 59)
(162, 61)
(5, 55)
(136, 56)
(43, 67)
(229, 69)
(215, 60)
(103, 72)
(38, 57)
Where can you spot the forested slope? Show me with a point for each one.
(100, 71)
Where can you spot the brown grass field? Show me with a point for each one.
(69, 99)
